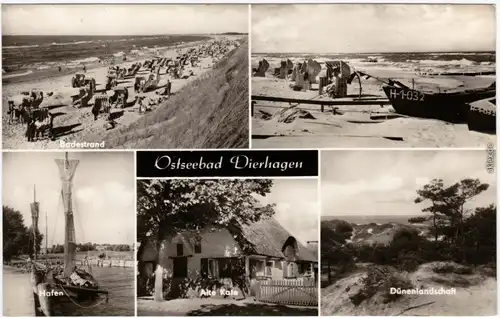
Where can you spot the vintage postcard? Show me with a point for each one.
(373, 75)
(68, 234)
(227, 246)
(125, 76)
(408, 233)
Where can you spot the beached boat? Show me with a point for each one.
(449, 106)
(68, 285)
(482, 115)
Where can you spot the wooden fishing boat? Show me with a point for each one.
(450, 106)
(482, 115)
(54, 285)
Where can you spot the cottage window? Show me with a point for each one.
(197, 248)
(268, 269)
(291, 270)
(180, 250)
(213, 268)
(218, 267)
(303, 268)
(209, 268)
(225, 268)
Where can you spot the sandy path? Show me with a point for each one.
(74, 124)
(475, 300)
(355, 128)
(218, 307)
(17, 293)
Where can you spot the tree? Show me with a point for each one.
(168, 207)
(334, 236)
(480, 234)
(17, 238)
(449, 203)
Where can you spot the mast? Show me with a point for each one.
(46, 233)
(34, 219)
(67, 170)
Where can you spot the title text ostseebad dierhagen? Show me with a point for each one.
(237, 162)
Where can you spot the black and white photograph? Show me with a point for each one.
(227, 247)
(125, 76)
(68, 234)
(408, 233)
(373, 75)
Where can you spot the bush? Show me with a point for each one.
(409, 262)
(372, 283)
(395, 281)
(448, 268)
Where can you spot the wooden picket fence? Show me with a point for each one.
(288, 292)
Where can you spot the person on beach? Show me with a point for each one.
(110, 123)
(38, 128)
(166, 90)
(59, 68)
(30, 130)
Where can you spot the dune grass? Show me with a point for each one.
(209, 112)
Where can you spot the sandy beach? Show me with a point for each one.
(74, 124)
(356, 126)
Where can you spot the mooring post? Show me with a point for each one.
(322, 107)
(253, 105)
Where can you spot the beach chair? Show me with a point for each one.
(101, 104)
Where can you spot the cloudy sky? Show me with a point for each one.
(361, 28)
(103, 194)
(385, 182)
(297, 208)
(122, 19)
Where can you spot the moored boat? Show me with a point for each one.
(482, 115)
(56, 286)
(450, 106)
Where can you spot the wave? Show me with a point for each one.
(82, 49)
(17, 74)
(462, 62)
(72, 43)
(19, 46)
(86, 60)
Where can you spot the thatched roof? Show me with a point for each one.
(267, 237)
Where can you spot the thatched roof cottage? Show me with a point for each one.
(264, 251)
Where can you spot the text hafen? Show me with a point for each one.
(51, 293)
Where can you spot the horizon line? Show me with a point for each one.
(384, 215)
(373, 52)
(164, 34)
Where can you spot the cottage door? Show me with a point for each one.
(180, 267)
